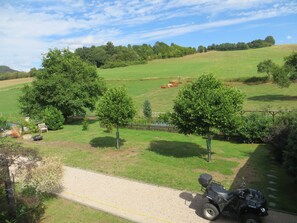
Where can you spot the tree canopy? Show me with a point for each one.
(110, 56)
(206, 105)
(64, 82)
(116, 108)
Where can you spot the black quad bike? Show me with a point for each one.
(246, 204)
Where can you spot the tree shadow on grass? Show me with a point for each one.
(275, 97)
(177, 149)
(106, 141)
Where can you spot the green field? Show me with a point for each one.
(144, 81)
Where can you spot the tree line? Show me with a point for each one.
(258, 43)
(110, 56)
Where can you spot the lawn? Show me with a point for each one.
(64, 211)
(167, 159)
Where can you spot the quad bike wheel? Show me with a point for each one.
(250, 218)
(210, 212)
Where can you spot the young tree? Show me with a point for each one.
(64, 82)
(207, 105)
(116, 108)
(147, 109)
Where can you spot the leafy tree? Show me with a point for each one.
(281, 76)
(147, 109)
(201, 49)
(205, 106)
(266, 66)
(64, 82)
(270, 40)
(116, 108)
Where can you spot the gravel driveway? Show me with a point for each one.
(140, 202)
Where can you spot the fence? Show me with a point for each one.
(152, 127)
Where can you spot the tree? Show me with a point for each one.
(64, 82)
(286, 74)
(205, 106)
(270, 40)
(201, 49)
(116, 108)
(147, 109)
(266, 66)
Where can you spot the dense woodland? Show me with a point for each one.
(109, 56)
(258, 43)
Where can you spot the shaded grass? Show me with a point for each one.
(64, 211)
(168, 159)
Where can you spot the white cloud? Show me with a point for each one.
(29, 28)
(289, 37)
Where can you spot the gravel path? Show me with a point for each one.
(140, 202)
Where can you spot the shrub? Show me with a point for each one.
(45, 178)
(53, 118)
(290, 151)
(85, 124)
(165, 118)
(147, 109)
(3, 123)
(278, 134)
(255, 127)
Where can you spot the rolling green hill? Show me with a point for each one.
(144, 81)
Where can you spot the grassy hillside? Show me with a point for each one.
(225, 65)
(144, 81)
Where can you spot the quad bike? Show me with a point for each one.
(246, 204)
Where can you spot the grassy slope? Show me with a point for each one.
(144, 81)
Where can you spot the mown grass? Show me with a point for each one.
(64, 211)
(168, 159)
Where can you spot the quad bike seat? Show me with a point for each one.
(221, 191)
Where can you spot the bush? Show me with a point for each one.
(3, 123)
(278, 134)
(53, 118)
(255, 127)
(85, 124)
(45, 178)
(165, 118)
(290, 151)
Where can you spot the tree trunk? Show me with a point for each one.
(118, 138)
(208, 143)
(8, 187)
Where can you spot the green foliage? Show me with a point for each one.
(290, 152)
(31, 125)
(115, 107)
(201, 49)
(85, 124)
(147, 109)
(268, 41)
(255, 127)
(65, 82)
(266, 66)
(110, 56)
(53, 118)
(165, 118)
(205, 105)
(3, 123)
(281, 76)
(279, 132)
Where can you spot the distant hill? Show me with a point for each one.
(6, 69)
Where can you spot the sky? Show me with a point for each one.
(28, 29)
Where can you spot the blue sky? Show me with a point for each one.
(29, 28)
